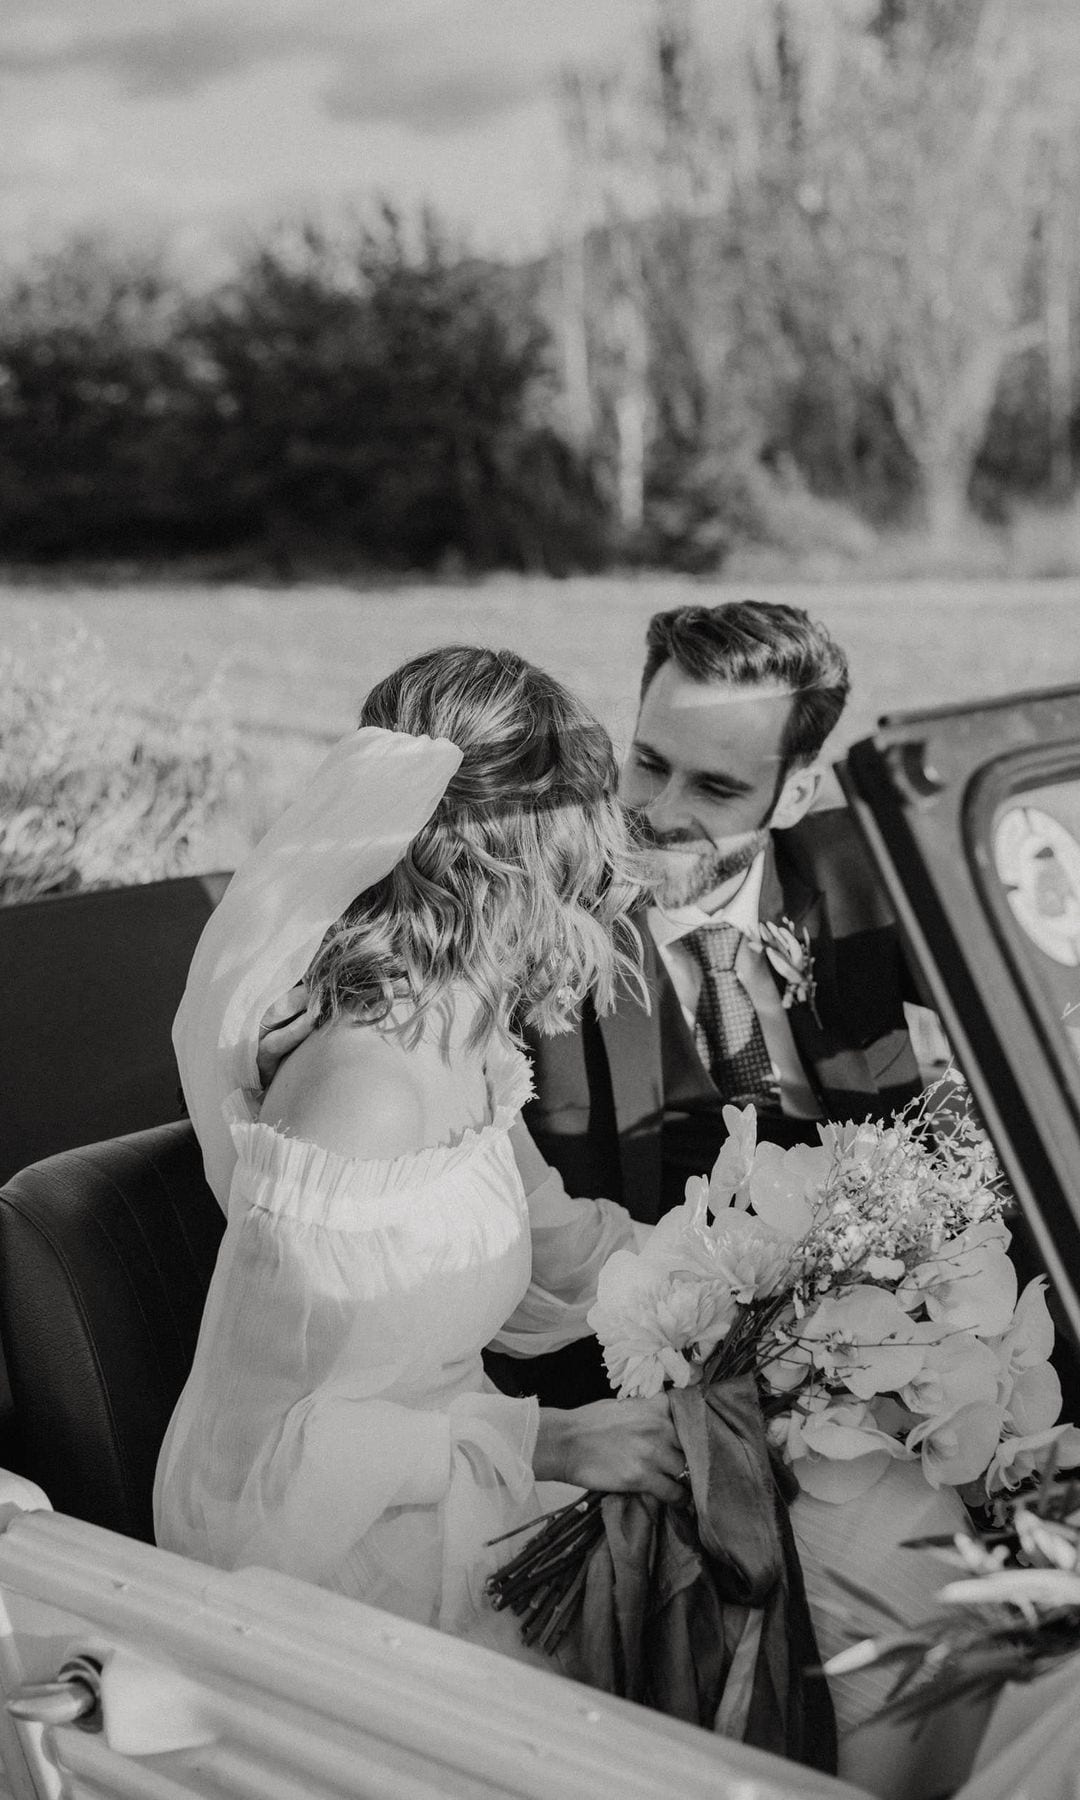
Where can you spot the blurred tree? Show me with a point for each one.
(834, 228)
(895, 197)
(390, 403)
(671, 161)
(348, 399)
(642, 317)
(97, 405)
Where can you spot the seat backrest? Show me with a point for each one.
(106, 1254)
(91, 983)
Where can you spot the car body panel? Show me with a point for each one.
(966, 811)
(254, 1686)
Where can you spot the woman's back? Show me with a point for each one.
(466, 858)
(366, 1090)
(337, 1406)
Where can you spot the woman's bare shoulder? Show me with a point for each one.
(351, 1089)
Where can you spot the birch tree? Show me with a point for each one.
(900, 205)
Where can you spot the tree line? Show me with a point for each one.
(341, 400)
(830, 289)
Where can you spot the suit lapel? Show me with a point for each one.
(854, 1049)
(789, 895)
(631, 1039)
(787, 891)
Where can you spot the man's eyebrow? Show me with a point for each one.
(733, 783)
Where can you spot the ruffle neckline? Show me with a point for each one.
(293, 1160)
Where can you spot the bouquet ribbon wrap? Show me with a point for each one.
(701, 1612)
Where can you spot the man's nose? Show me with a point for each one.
(665, 808)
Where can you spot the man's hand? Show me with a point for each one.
(285, 1025)
(616, 1446)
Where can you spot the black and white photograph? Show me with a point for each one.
(539, 899)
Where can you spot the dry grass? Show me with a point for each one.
(289, 665)
(96, 790)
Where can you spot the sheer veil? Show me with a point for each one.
(347, 830)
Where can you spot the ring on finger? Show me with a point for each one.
(684, 1475)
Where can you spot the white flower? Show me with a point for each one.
(656, 1324)
(884, 1268)
(789, 953)
(785, 1186)
(1018, 1457)
(957, 1447)
(1027, 1589)
(957, 1371)
(789, 1367)
(838, 1138)
(1030, 1335)
(729, 1179)
(754, 1260)
(975, 1556)
(836, 1450)
(970, 1285)
(1034, 1401)
(863, 1338)
(1045, 1543)
(734, 1247)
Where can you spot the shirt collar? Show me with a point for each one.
(668, 924)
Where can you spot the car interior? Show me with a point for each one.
(109, 1232)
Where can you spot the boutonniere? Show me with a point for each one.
(788, 951)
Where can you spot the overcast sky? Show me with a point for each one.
(194, 116)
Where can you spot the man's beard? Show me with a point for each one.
(685, 871)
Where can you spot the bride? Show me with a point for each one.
(461, 859)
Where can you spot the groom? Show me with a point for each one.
(774, 970)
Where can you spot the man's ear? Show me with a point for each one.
(797, 795)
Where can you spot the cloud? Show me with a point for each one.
(224, 113)
(458, 63)
(430, 95)
(176, 57)
(428, 65)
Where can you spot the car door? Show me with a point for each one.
(253, 1686)
(972, 814)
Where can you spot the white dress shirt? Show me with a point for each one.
(741, 908)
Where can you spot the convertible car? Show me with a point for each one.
(125, 1671)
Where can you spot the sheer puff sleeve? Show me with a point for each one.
(571, 1241)
(333, 1425)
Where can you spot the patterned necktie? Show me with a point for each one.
(727, 1030)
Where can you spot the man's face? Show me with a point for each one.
(702, 776)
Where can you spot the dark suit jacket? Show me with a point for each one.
(605, 1090)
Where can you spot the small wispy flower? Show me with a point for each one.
(97, 790)
(864, 1283)
(868, 1270)
(1013, 1615)
(788, 950)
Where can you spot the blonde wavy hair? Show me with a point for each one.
(519, 887)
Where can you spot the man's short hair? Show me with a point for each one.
(754, 643)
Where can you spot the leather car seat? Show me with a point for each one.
(91, 983)
(106, 1254)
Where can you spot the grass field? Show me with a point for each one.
(291, 664)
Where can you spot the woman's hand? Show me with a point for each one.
(614, 1446)
(282, 1028)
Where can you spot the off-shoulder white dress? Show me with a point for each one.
(337, 1423)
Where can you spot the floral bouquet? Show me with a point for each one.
(1014, 1613)
(816, 1314)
